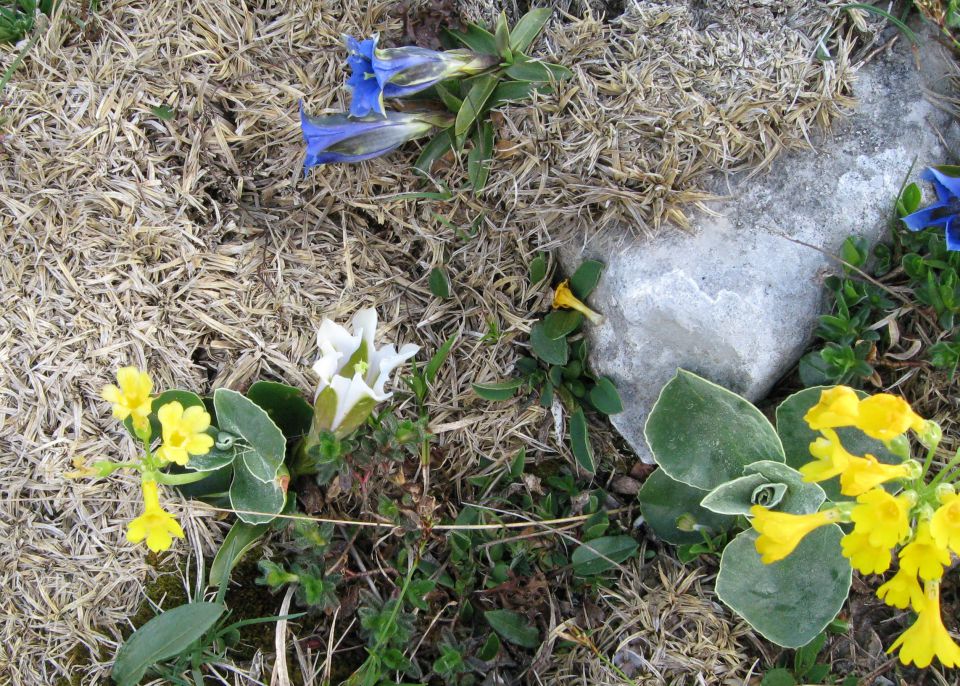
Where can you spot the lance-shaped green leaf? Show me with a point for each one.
(165, 636)
(704, 435)
(599, 555)
(476, 38)
(791, 601)
(478, 161)
(528, 28)
(265, 445)
(580, 441)
(240, 539)
(533, 70)
(771, 484)
(503, 390)
(474, 103)
(672, 509)
(438, 146)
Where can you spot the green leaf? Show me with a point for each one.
(534, 71)
(517, 463)
(704, 435)
(165, 636)
(513, 627)
(438, 146)
(473, 105)
(663, 501)
(439, 285)
(586, 278)
(797, 437)
(784, 487)
(162, 112)
(478, 161)
(560, 323)
(528, 28)
(501, 38)
(451, 101)
(476, 38)
(605, 397)
(778, 677)
(213, 459)
(791, 601)
(256, 502)
(602, 554)
(185, 398)
(512, 91)
(238, 541)
(497, 391)
(551, 351)
(909, 200)
(538, 269)
(490, 648)
(580, 442)
(263, 455)
(285, 405)
(439, 357)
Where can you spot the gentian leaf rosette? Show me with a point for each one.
(353, 373)
(944, 212)
(378, 73)
(339, 138)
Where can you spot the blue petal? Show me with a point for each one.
(366, 98)
(946, 186)
(953, 233)
(922, 219)
(392, 90)
(402, 59)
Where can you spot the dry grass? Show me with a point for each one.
(195, 248)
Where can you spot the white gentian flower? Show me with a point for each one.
(353, 373)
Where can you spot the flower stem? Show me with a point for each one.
(943, 475)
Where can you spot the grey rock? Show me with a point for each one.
(736, 299)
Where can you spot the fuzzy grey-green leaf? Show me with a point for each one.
(791, 601)
(704, 435)
(663, 501)
(256, 502)
(266, 445)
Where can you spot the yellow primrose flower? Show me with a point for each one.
(155, 524)
(838, 406)
(945, 523)
(831, 456)
(902, 590)
(864, 557)
(922, 556)
(781, 532)
(564, 297)
(883, 518)
(865, 473)
(132, 398)
(927, 638)
(184, 432)
(884, 417)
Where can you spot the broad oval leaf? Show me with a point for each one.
(538, 269)
(793, 494)
(586, 278)
(663, 501)
(601, 554)
(513, 627)
(285, 405)
(791, 601)
(503, 390)
(550, 350)
(605, 397)
(236, 543)
(560, 323)
(266, 444)
(256, 502)
(439, 285)
(165, 636)
(704, 435)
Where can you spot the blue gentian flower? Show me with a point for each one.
(339, 138)
(944, 212)
(378, 73)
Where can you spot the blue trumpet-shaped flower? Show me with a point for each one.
(944, 212)
(378, 73)
(339, 138)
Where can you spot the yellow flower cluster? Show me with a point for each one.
(183, 433)
(925, 520)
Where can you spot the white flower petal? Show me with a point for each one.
(365, 326)
(338, 338)
(384, 361)
(349, 393)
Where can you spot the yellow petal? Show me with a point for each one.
(195, 420)
(170, 415)
(199, 444)
(111, 394)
